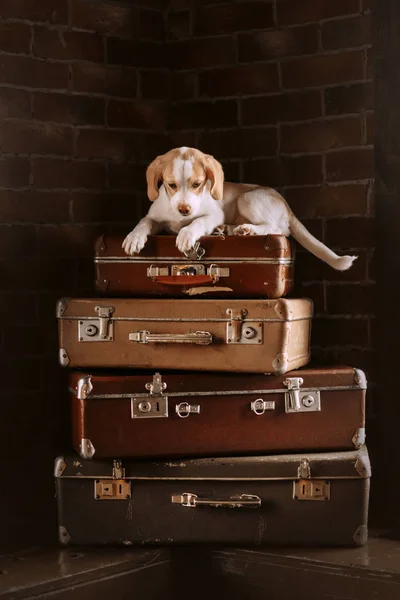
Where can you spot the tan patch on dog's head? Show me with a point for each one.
(204, 167)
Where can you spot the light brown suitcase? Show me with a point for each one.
(216, 414)
(229, 266)
(248, 336)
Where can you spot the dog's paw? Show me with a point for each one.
(185, 240)
(246, 229)
(134, 243)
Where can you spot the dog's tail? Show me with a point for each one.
(306, 239)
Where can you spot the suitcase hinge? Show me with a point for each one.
(86, 449)
(84, 387)
(156, 405)
(116, 488)
(239, 331)
(98, 329)
(297, 400)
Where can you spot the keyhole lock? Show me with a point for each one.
(91, 330)
(248, 332)
(144, 407)
(307, 401)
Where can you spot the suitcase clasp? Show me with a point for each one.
(239, 331)
(316, 489)
(259, 406)
(297, 400)
(184, 409)
(152, 405)
(98, 329)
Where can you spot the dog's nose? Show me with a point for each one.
(184, 209)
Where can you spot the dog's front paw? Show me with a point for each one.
(185, 240)
(134, 242)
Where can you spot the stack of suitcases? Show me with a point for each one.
(191, 396)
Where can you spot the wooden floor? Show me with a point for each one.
(370, 572)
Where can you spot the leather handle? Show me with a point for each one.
(191, 280)
(202, 338)
(192, 500)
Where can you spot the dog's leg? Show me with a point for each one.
(188, 236)
(250, 229)
(137, 238)
(257, 217)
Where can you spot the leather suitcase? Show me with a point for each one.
(219, 267)
(293, 499)
(259, 336)
(208, 414)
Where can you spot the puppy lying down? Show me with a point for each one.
(190, 198)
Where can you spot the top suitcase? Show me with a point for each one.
(218, 267)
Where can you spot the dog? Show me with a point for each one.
(190, 198)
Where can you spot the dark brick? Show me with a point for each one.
(194, 54)
(315, 291)
(134, 53)
(28, 337)
(293, 12)
(281, 107)
(309, 268)
(321, 135)
(25, 137)
(345, 33)
(328, 201)
(19, 308)
(139, 115)
(33, 207)
(352, 232)
(349, 98)
(14, 172)
(244, 79)
(14, 382)
(155, 84)
(348, 165)
(322, 70)
(126, 176)
(98, 79)
(17, 240)
(369, 67)
(231, 171)
(76, 110)
(15, 38)
(67, 240)
(31, 72)
(105, 17)
(55, 173)
(356, 299)
(183, 138)
(105, 207)
(300, 170)
(15, 103)
(108, 143)
(179, 25)
(340, 332)
(203, 115)
(231, 18)
(67, 45)
(240, 143)
(52, 11)
(184, 85)
(369, 127)
(364, 359)
(151, 25)
(266, 45)
(37, 274)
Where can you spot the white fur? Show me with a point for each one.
(262, 210)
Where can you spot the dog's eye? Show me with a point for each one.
(172, 186)
(196, 185)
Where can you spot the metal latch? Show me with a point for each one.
(184, 409)
(297, 400)
(192, 500)
(259, 406)
(314, 489)
(195, 253)
(239, 331)
(98, 329)
(155, 404)
(154, 271)
(116, 488)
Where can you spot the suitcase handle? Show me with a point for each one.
(202, 338)
(192, 500)
(191, 280)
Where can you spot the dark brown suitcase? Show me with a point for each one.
(219, 267)
(292, 499)
(259, 336)
(208, 414)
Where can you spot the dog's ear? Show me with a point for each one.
(215, 174)
(154, 174)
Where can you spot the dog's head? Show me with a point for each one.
(187, 175)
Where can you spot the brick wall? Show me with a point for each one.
(281, 92)
(80, 116)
